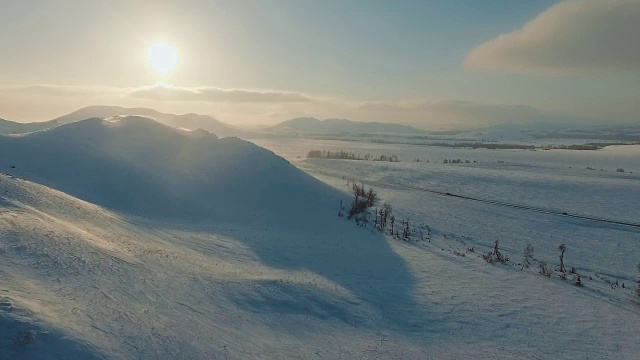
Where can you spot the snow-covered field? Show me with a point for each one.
(237, 254)
(557, 180)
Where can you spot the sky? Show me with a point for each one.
(435, 64)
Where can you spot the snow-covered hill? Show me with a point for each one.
(261, 268)
(139, 166)
(185, 121)
(310, 125)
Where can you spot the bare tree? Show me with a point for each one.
(393, 220)
(375, 211)
(562, 248)
(371, 197)
(527, 256)
(405, 229)
(501, 258)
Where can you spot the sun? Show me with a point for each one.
(162, 57)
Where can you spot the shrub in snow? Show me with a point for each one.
(495, 255)
(360, 201)
(563, 276)
(488, 257)
(527, 256)
(544, 270)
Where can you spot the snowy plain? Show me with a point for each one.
(121, 240)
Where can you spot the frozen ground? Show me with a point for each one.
(280, 275)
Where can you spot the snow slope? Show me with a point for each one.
(118, 286)
(91, 283)
(185, 121)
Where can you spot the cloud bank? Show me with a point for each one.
(61, 90)
(162, 92)
(573, 36)
(212, 94)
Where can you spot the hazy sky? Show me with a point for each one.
(435, 64)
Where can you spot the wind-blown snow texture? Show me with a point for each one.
(140, 241)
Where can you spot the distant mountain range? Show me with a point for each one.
(12, 127)
(310, 126)
(187, 121)
(313, 126)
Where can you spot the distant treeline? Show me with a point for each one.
(574, 147)
(347, 155)
(456, 161)
(620, 136)
(478, 145)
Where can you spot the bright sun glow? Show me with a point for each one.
(162, 57)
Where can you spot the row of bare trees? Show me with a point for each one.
(528, 258)
(383, 218)
(347, 155)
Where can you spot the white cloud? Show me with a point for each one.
(573, 36)
(161, 92)
(61, 90)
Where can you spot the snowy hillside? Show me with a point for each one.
(262, 267)
(136, 165)
(310, 125)
(82, 282)
(12, 127)
(186, 121)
